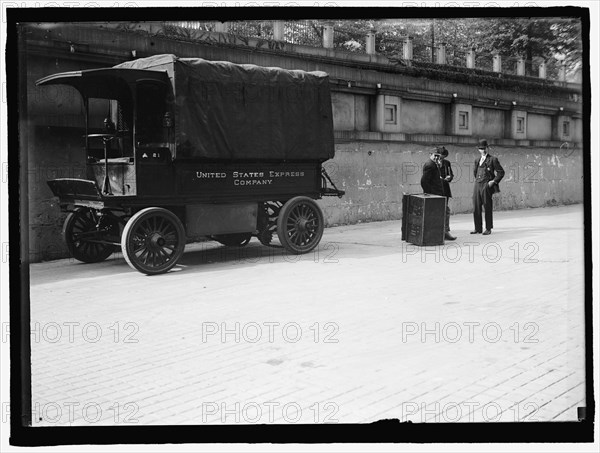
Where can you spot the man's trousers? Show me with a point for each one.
(482, 197)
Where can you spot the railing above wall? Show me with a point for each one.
(409, 49)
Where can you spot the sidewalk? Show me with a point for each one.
(486, 328)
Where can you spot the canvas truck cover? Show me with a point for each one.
(246, 112)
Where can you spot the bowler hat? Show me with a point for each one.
(443, 151)
(482, 144)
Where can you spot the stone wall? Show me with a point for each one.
(375, 174)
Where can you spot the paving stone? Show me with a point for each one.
(367, 328)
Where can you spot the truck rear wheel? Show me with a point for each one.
(82, 231)
(300, 225)
(153, 241)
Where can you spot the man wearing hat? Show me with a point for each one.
(432, 181)
(488, 173)
(447, 176)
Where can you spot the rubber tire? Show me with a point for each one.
(282, 227)
(134, 224)
(102, 251)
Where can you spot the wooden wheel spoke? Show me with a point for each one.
(146, 228)
(163, 255)
(144, 256)
(303, 211)
(164, 227)
(80, 223)
(152, 258)
(170, 233)
(156, 258)
(143, 250)
(138, 249)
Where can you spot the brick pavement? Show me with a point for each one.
(486, 328)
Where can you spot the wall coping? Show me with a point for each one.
(366, 136)
(227, 38)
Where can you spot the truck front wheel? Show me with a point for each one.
(153, 241)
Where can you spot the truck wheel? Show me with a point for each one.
(300, 225)
(82, 228)
(233, 240)
(153, 241)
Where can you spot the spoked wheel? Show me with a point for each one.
(233, 240)
(85, 229)
(153, 241)
(300, 225)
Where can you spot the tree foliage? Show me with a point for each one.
(535, 39)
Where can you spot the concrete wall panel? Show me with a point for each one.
(419, 117)
(343, 111)
(488, 122)
(539, 127)
(361, 112)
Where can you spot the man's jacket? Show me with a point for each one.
(431, 181)
(492, 171)
(446, 170)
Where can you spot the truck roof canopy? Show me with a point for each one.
(104, 83)
(241, 111)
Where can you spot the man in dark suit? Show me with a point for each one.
(432, 182)
(447, 176)
(488, 173)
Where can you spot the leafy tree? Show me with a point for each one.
(535, 39)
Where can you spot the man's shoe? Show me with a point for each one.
(449, 237)
(475, 232)
(486, 232)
